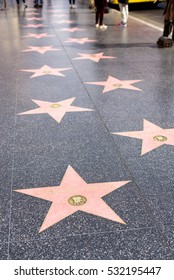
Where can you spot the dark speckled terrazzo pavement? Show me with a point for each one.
(37, 149)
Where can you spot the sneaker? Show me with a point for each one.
(97, 25)
(103, 27)
(124, 23)
(74, 6)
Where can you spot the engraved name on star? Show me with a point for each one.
(152, 136)
(74, 194)
(41, 50)
(113, 83)
(80, 40)
(73, 29)
(56, 110)
(34, 25)
(38, 36)
(46, 70)
(94, 57)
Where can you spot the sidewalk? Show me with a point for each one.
(87, 137)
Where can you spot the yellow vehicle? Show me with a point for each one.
(138, 1)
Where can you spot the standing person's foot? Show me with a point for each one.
(124, 23)
(74, 6)
(97, 25)
(25, 6)
(103, 27)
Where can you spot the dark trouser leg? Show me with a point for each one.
(17, 1)
(101, 16)
(97, 16)
(167, 28)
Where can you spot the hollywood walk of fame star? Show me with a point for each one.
(55, 109)
(34, 18)
(38, 36)
(113, 83)
(153, 136)
(65, 21)
(56, 11)
(41, 50)
(62, 15)
(32, 13)
(94, 57)
(34, 25)
(73, 29)
(79, 40)
(46, 70)
(75, 194)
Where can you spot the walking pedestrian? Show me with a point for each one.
(124, 10)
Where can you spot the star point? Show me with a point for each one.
(94, 57)
(74, 194)
(34, 25)
(114, 83)
(38, 36)
(46, 70)
(152, 136)
(79, 40)
(56, 110)
(41, 50)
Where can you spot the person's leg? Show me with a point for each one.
(17, 1)
(167, 28)
(123, 11)
(97, 15)
(101, 14)
(173, 30)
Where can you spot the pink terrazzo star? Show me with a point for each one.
(38, 36)
(80, 40)
(94, 57)
(56, 11)
(74, 194)
(152, 135)
(41, 50)
(113, 83)
(32, 13)
(55, 109)
(65, 21)
(34, 18)
(62, 15)
(34, 25)
(73, 29)
(46, 70)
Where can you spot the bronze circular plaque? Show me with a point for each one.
(160, 138)
(55, 106)
(47, 72)
(117, 85)
(77, 200)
